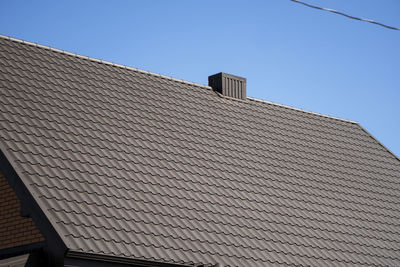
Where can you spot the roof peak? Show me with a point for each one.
(161, 76)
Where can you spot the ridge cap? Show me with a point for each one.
(301, 110)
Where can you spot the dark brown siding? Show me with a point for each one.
(15, 230)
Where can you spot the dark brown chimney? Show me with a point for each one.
(228, 85)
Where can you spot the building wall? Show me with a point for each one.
(15, 230)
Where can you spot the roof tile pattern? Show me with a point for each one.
(130, 164)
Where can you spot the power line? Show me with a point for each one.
(343, 14)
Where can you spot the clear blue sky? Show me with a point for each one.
(290, 54)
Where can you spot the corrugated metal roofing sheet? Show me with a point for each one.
(127, 163)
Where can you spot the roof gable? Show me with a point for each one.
(130, 164)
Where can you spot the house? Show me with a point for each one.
(107, 165)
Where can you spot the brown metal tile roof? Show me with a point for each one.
(131, 164)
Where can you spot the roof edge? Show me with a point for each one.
(77, 255)
(103, 61)
(301, 110)
(379, 142)
(55, 244)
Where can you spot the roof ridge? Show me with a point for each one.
(161, 76)
(301, 110)
(102, 61)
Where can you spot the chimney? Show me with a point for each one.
(228, 85)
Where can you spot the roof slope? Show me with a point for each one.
(136, 165)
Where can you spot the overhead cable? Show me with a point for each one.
(343, 14)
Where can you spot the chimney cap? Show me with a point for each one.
(228, 85)
(228, 75)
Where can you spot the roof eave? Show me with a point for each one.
(84, 259)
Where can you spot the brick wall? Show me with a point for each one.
(15, 230)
